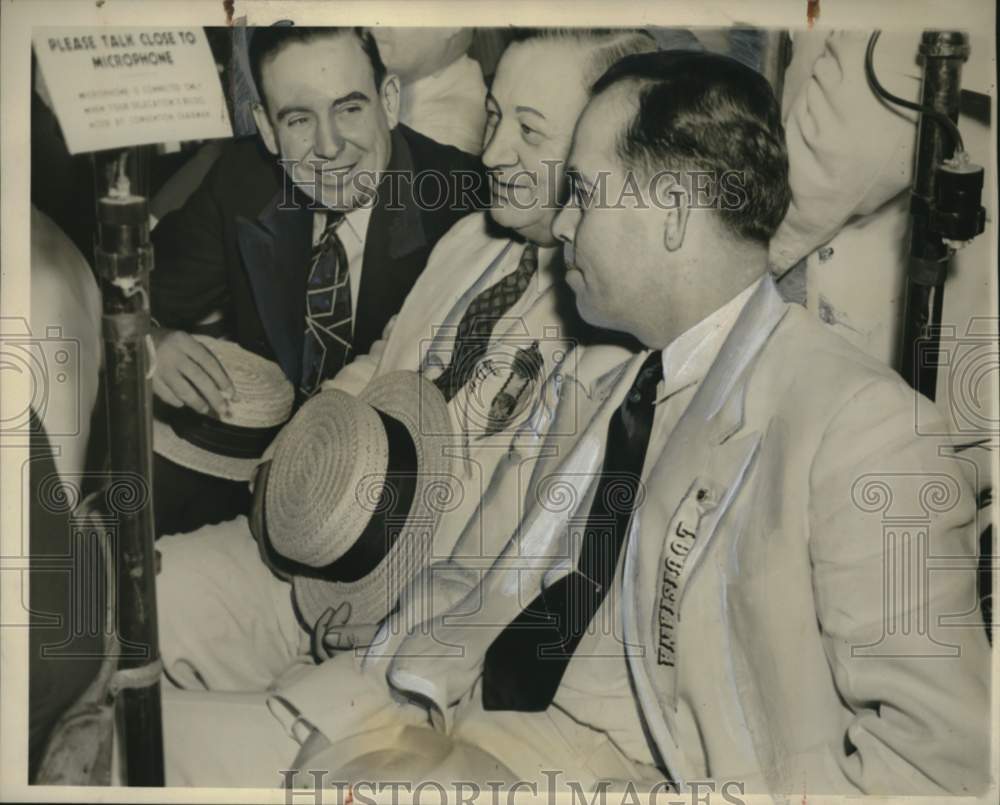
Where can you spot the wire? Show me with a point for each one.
(943, 120)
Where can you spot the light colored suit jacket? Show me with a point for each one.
(788, 621)
(576, 379)
(467, 260)
(463, 263)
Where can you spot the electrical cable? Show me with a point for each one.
(941, 119)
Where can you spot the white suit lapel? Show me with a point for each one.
(691, 484)
(582, 414)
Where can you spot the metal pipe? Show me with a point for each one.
(943, 54)
(124, 260)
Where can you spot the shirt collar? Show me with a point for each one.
(355, 223)
(400, 216)
(687, 358)
(549, 268)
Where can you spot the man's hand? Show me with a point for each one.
(187, 373)
(331, 634)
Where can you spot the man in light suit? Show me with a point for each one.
(754, 604)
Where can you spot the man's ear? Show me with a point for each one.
(264, 127)
(389, 95)
(675, 222)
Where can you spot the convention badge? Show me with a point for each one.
(674, 568)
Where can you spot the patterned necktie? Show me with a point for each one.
(526, 662)
(329, 322)
(481, 316)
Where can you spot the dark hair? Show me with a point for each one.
(705, 112)
(267, 42)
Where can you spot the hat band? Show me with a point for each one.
(387, 520)
(208, 433)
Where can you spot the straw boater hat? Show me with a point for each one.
(231, 447)
(354, 493)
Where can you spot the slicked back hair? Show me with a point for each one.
(712, 114)
(603, 46)
(267, 42)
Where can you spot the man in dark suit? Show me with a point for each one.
(306, 251)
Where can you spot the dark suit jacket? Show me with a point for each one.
(234, 245)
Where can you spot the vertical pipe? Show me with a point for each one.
(943, 54)
(124, 259)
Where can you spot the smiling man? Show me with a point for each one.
(305, 264)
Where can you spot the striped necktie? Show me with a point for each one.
(329, 320)
(479, 320)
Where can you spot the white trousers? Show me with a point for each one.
(230, 739)
(230, 638)
(226, 622)
(223, 739)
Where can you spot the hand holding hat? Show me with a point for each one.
(228, 445)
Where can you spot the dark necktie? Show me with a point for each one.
(329, 322)
(479, 319)
(524, 665)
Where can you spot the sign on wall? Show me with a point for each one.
(118, 87)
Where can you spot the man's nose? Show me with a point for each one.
(564, 224)
(499, 152)
(328, 142)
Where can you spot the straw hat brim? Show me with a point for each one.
(417, 403)
(268, 403)
(173, 448)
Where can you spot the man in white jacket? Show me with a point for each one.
(785, 499)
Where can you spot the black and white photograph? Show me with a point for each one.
(476, 403)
